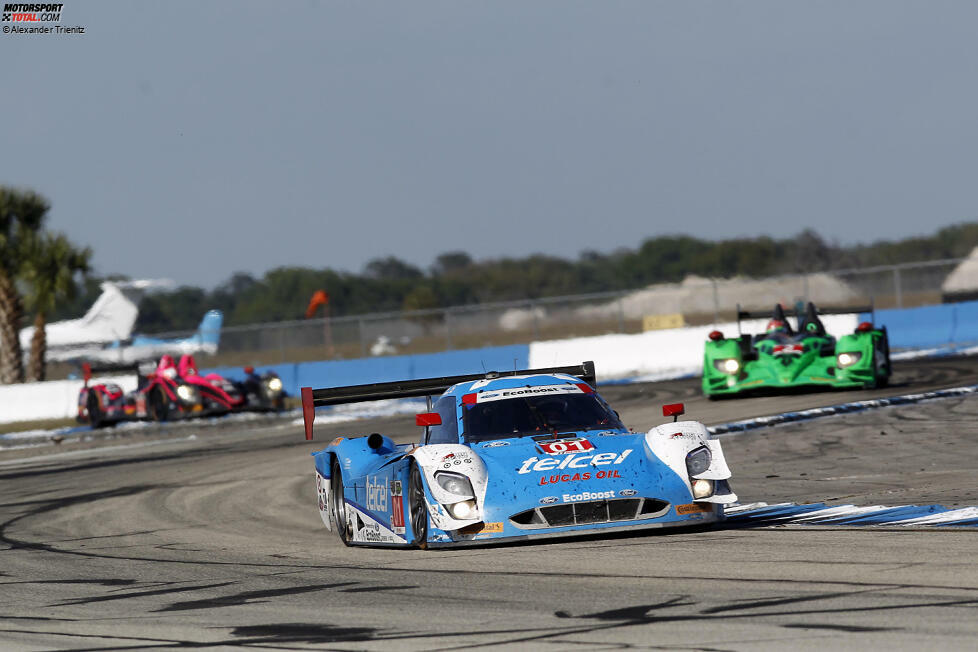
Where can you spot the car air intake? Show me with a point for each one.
(591, 511)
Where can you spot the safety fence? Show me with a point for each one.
(694, 301)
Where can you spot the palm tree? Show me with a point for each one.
(21, 215)
(50, 272)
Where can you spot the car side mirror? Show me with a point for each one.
(427, 419)
(673, 410)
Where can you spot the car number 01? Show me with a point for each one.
(566, 446)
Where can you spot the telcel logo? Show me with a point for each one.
(573, 461)
(376, 494)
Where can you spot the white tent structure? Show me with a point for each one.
(962, 283)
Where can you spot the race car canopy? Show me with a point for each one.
(313, 398)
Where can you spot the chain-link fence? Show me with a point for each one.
(693, 301)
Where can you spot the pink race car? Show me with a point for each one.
(168, 391)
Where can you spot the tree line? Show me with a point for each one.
(38, 270)
(455, 278)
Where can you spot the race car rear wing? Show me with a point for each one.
(88, 370)
(313, 398)
(768, 314)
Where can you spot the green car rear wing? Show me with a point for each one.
(842, 310)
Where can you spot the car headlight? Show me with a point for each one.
(844, 360)
(698, 461)
(463, 511)
(187, 393)
(727, 365)
(455, 483)
(702, 489)
(274, 384)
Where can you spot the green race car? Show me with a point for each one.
(783, 357)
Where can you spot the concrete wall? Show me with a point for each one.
(337, 373)
(654, 354)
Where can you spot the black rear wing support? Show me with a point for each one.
(313, 398)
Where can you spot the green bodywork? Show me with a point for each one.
(762, 365)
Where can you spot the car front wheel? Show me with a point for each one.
(418, 508)
(338, 503)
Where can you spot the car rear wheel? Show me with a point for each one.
(417, 508)
(95, 417)
(338, 503)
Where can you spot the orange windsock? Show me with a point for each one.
(319, 298)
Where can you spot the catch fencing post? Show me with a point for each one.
(896, 287)
(716, 302)
(448, 329)
(536, 321)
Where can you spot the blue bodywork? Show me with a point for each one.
(607, 478)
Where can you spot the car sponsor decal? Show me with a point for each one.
(627, 492)
(321, 484)
(788, 349)
(572, 461)
(516, 392)
(579, 477)
(491, 527)
(587, 495)
(455, 459)
(694, 508)
(376, 494)
(494, 444)
(549, 500)
(372, 533)
(366, 528)
(561, 446)
(397, 507)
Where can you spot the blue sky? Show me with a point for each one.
(191, 140)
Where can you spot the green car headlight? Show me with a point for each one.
(727, 365)
(844, 360)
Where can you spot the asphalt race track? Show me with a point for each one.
(210, 538)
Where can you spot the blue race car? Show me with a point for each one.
(512, 455)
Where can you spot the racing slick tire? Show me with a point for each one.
(338, 503)
(95, 416)
(159, 406)
(880, 356)
(886, 359)
(417, 508)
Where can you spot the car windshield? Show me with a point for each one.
(532, 415)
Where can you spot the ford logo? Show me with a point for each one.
(549, 500)
(627, 492)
